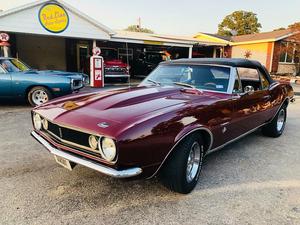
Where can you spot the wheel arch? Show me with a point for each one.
(203, 131)
(36, 85)
(286, 102)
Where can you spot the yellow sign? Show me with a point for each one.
(153, 42)
(53, 18)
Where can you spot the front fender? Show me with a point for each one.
(149, 143)
(22, 83)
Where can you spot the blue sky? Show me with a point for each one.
(181, 17)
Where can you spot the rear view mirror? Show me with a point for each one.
(248, 90)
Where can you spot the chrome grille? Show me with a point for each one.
(115, 70)
(70, 137)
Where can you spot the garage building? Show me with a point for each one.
(55, 35)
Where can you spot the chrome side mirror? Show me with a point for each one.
(249, 90)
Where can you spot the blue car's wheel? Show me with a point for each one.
(38, 95)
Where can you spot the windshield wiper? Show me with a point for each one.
(184, 85)
(154, 82)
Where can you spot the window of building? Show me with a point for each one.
(124, 53)
(289, 52)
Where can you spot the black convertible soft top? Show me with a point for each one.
(219, 61)
(234, 62)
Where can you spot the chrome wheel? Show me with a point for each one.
(39, 97)
(280, 119)
(193, 162)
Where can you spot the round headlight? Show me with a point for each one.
(108, 149)
(45, 124)
(93, 142)
(37, 121)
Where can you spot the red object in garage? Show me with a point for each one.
(4, 43)
(97, 69)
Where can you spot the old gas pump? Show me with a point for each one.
(97, 68)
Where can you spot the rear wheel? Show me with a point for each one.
(276, 127)
(181, 171)
(38, 95)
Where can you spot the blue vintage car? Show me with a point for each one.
(17, 80)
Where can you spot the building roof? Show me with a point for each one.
(217, 40)
(249, 38)
(226, 38)
(161, 39)
(265, 36)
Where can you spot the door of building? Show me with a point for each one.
(83, 57)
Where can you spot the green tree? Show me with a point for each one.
(294, 46)
(295, 26)
(136, 28)
(239, 23)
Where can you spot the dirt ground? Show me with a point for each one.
(253, 181)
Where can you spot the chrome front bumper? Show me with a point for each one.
(87, 163)
(117, 75)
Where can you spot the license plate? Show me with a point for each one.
(63, 162)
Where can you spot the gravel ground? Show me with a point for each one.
(253, 181)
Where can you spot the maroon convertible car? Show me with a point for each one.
(182, 111)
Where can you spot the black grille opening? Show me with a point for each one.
(70, 135)
(77, 83)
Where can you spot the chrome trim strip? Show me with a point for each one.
(88, 163)
(117, 75)
(194, 63)
(273, 85)
(231, 80)
(199, 128)
(3, 70)
(235, 139)
(71, 127)
(49, 134)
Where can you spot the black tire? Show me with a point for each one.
(272, 129)
(33, 100)
(174, 172)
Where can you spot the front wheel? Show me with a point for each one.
(181, 171)
(38, 95)
(276, 127)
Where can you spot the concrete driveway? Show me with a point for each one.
(253, 181)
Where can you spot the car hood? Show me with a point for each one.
(115, 62)
(54, 73)
(121, 108)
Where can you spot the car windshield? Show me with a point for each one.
(205, 77)
(109, 54)
(13, 65)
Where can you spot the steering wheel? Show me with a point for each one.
(210, 84)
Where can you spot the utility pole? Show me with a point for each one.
(139, 26)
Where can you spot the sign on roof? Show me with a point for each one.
(54, 18)
(4, 37)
